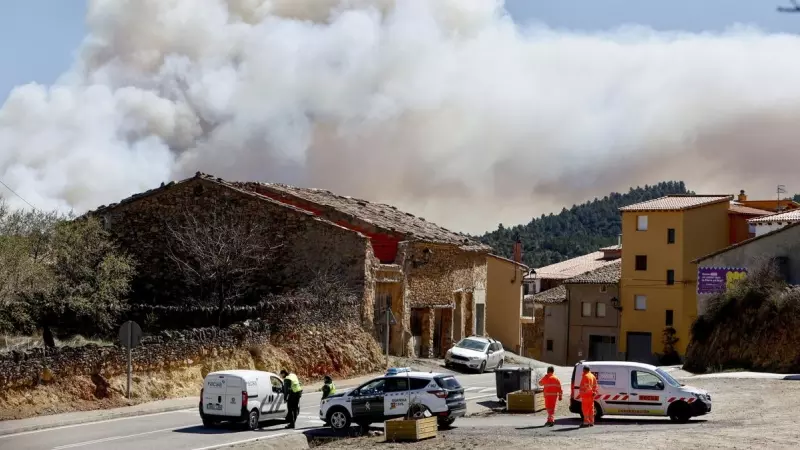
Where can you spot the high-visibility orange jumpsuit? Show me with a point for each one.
(552, 394)
(588, 390)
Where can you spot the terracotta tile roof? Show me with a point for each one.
(739, 244)
(788, 216)
(608, 274)
(555, 295)
(571, 267)
(677, 203)
(379, 215)
(747, 210)
(611, 248)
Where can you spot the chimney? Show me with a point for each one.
(518, 251)
(742, 196)
(619, 240)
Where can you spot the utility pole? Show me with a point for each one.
(781, 190)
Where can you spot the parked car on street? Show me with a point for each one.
(389, 397)
(476, 353)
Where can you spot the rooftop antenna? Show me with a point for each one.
(790, 9)
(781, 190)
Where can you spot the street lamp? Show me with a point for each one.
(615, 303)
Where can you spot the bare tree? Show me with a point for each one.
(219, 254)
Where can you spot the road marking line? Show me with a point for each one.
(479, 396)
(488, 390)
(260, 438)
(63, 427)
(116, 438)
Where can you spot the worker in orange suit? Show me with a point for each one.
(552, 394)
(588, 390)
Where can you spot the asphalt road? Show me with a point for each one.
(182, 430)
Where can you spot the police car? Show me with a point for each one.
(635, 389)
(388, 397)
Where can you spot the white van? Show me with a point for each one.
(635, 389)
(249, 396)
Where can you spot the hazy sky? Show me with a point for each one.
(38, 37)
(418, 93)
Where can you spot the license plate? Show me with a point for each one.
(214, 407)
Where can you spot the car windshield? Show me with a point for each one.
(472, 344)
(671, 381)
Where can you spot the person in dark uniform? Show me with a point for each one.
(292, 391)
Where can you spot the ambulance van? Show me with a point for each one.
(635, 389)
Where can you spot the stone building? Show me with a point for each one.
(431, 278)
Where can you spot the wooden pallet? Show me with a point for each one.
(525, 401)
(411, 429)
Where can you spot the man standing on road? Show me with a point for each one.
(292, 391)
(552, 394)
(328, 388)
(588, 391)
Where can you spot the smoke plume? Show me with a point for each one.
(444, 108)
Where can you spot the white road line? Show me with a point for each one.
(116, 438)
(260, 438)
(471, 389)
(63, 427)
(479, 396)
(488, 390)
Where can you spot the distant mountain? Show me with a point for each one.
(576, 231)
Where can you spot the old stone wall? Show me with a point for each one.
(307, 245)
(312, 352)
(434, 272)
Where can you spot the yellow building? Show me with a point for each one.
(660, 239)
(504, 316)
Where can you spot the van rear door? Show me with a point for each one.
(214, 394)
(234, 386)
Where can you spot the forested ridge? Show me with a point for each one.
(576, 231)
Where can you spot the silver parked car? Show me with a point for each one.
(477, 353)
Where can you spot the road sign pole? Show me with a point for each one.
(130, 369)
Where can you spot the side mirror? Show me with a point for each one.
(490, 351)
(660, 385)
(276, 389)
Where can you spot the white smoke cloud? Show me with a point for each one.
(444, 108)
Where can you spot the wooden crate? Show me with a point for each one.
(411, 429)
(525, 401)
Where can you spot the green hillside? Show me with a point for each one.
(576, 231)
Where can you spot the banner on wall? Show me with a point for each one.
(714, 280)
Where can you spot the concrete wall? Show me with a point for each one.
(698, 231)
(750, 255)
(555, 329)
(580, 328)
(504, 301)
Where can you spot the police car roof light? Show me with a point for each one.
(396, 370)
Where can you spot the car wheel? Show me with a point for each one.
(598, 412)
(419, 411)
(253, 420)
(679, 412)
(500, 364)
(482, 369)
(339, 419)
(446, 422)
(208, 423)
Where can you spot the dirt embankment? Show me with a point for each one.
(342, 352)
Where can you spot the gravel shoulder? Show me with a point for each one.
(748, 413)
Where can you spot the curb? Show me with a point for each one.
(290, 440)
(101, 417)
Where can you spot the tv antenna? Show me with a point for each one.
(781, 190)
(795, 8)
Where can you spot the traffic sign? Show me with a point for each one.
(130, 334)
